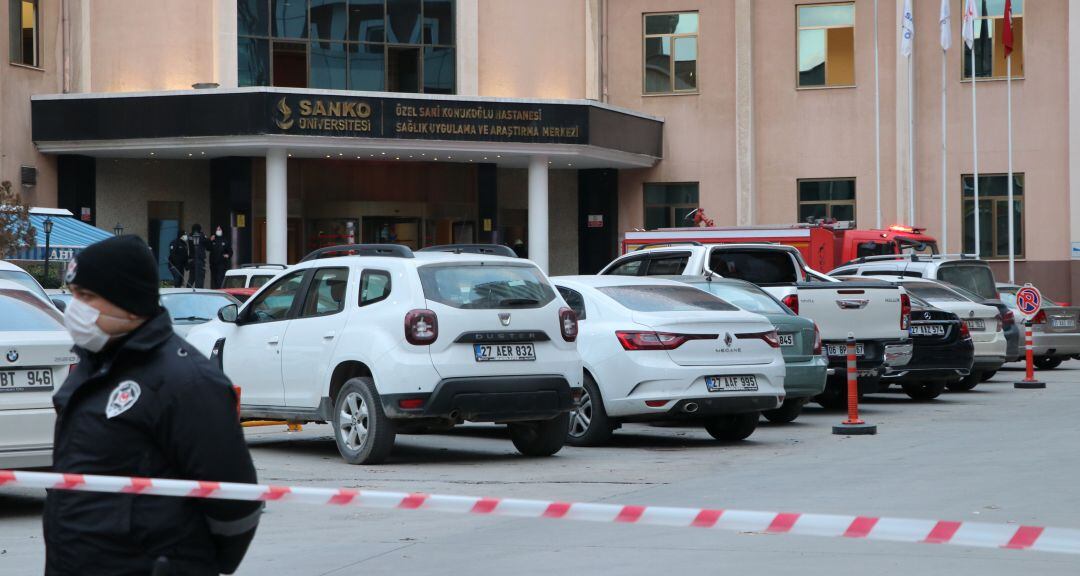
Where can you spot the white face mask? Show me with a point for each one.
(218, 231)
(80, 319)
(184, 237)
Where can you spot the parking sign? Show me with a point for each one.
(1028, 301)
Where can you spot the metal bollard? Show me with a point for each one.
(853, 425)
(1029, 382)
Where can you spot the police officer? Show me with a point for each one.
(197, 245)
(178, 258)
(220, 256)
(141, 402)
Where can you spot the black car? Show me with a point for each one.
(942, 353)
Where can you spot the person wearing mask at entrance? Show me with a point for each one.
(178, 258)
(141, 402)
(220, 258)
(197, 246)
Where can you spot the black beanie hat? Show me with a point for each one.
(122, 270)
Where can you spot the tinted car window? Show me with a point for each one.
(932, 292)
(668, 265)
(234, 282)
(473, 286)
(194, 307)
(628, 268)
(274, 302)
(749, 298)
(575, 300)
(24, 279)
(974, 277)
(326, 293)
(905, 273)
(258, 280)
(754, 266)
(21, 311)
(665, 299)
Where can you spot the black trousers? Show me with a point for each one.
(197, 276)
(177, 275)
(217, 276)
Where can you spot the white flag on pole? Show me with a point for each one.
(970, 13)
(908, 27)
(946, 25)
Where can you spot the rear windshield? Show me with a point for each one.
(24, 279)
(665, 298)
(234, 282)
(749, 298)
(973, 277)
(486, 286)
(755, 266)
(194, 307)
(931, 292)
(21, 311)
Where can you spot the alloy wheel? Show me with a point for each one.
(581, 418)
(353, 421)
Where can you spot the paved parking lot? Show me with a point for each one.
(995, 455)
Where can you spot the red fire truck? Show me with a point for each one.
(824, 245)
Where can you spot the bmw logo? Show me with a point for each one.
(12, 355)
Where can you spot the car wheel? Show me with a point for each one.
(787, 412)
(363, 433)
(732, 427)
(589, 424)
(1047, 362)
(541, 437)
(987, 375)
(966, 383)
(832, 399)
(924, 390)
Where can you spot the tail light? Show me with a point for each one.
(1008, 319)
(568, 324)
(632, 340)
(905, 311)
(965, 332)
(792, 302)
(421, 327)
(998, 323)
(769, 337)
(817, 340)
(1039, 318)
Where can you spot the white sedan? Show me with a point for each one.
(661, 350)
(35, 356)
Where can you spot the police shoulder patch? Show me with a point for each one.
(123, 397)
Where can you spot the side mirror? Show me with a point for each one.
(228, 313)
(60, 304)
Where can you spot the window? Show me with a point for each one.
(275, 302)
(994, 215)
(627, 268)
(374, 286)
(485, 287)
(668, 265)
(933, 293)
(826, 199)
(974, 277)
(24, 32)
(395, 45)
(258, 280)
(755, 266)
(745, 296)
(233, 282)
(665, 299)
(989, 46)
(24, 312)
(326, 292)
(671, 47)
(575, 300)
(826, 38)
(668, 205)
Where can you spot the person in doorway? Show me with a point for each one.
(197, 246)
(519, 248)
(141, 402)
(178, 258)
(220, 258)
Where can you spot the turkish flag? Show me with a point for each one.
(1007, 35)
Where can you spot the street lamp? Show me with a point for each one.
(118, 229)
(48, 233)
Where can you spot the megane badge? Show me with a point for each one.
(12, 355)
(504, 317)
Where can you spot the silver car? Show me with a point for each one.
(1055, 331)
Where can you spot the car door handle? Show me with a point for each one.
(329, 335)
(273, 341)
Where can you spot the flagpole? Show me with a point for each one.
(1012, 237)
(975, 140)
(911, 139)
(877, 121)
(944, 157)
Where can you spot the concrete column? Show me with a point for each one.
(467, 34)
(744, 112)
(592, 49)
(79, 13)
(1074, 150)
(277, 206)
(538, 211)
(225, 73)
(903, 120)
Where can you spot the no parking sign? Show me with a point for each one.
(1028, 301)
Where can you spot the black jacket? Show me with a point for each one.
(220, 252)
(178, 253)
(150, 406)
(197, 247)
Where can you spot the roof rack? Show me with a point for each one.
(488, 249)
(263, 265)
(387, 250)
(659, 244)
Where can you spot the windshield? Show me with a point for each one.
(474, 286)
(194, 307)
(665, 299)
(932, 292)
(748, 297)
(24, 279)
(977, 278)
(20, 311)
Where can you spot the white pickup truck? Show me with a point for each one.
(877, 315)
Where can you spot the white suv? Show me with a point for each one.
(251, 275)
(381, 340)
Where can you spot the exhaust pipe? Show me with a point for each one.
(690, 407)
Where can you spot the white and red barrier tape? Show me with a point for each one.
(1062, 540)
